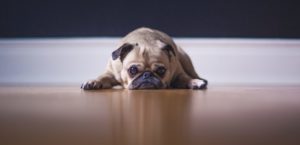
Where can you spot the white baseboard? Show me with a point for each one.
(221, 61)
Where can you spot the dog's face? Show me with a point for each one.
(148, 59)
(146, 65)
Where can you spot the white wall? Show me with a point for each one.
(221, 61)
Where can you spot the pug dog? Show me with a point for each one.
(148, 59)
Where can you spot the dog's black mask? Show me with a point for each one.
(147, 80)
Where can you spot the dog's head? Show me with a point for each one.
(148, 60)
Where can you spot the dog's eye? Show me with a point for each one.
(133, 70)
(161, 71)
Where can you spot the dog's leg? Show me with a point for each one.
(200, 84)
(184, 81)
(104, 81)
(191, 78)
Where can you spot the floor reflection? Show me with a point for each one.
(222, 115)
(193, 117)
(150, 117)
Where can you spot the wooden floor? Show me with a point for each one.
(61, 115)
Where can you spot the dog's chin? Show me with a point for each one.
(145, 85)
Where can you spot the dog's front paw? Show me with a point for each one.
(198, 84)
(96, 84)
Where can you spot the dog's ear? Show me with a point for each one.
(122, 51)
(168, 49)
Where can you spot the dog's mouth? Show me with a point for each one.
(147, 85)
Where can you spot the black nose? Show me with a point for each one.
(147, 74)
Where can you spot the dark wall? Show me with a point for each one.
(200, 18)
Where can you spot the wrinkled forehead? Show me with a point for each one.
(151, 50)
(147, 53)
(144, 43)
(154, 44)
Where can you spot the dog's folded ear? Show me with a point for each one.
(122, 51)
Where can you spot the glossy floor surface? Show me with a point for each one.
(60, 115)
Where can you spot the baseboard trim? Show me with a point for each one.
(221, 61)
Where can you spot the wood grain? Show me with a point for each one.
(220, 115)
